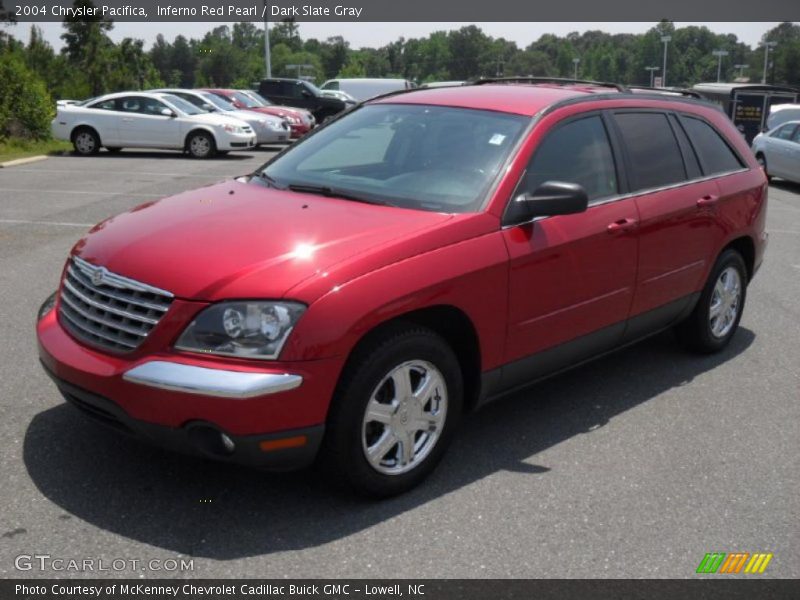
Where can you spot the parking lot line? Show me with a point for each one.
(92, 193)
(149, 173)
(58, 223)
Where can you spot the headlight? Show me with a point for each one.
(234, 129)
(276, 125)
(244, 329)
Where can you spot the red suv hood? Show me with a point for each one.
(238, 240)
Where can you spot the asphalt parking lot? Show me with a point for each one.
(633, 466)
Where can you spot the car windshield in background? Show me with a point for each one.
(183, 105)
(433, 158)
(217, 102)
(259, 98)
(245, 99)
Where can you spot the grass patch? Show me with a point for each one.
(14, 148)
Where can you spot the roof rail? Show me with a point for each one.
(554, 80)
(666, 91)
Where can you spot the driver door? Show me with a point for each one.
(572, 277)
(143, 125)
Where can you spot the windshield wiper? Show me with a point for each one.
(329, 192)
(270, 181)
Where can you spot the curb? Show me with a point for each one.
(23, 161)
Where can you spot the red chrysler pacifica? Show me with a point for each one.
(419, 256)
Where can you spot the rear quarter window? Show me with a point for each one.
(714, 153)
(654, 157)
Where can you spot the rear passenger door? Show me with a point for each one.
(677, 233)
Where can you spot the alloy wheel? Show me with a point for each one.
(725, 302)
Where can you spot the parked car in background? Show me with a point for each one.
(783, 113)
(307, 119)
(269, 129)
(420, 256)
(365, 88)
(300, 121)
(778, 151)
(301, 93)
(437, 84)
(344, 96)
(149, 120)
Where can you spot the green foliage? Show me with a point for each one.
(25, 106)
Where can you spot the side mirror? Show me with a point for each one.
(167, 112)
(550, 199)
(209, 108)
(306, 94)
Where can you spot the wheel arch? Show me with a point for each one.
(745, 246)
(453, 325)
(79, 127)
(199, 129)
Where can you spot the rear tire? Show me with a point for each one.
(714, 320)
(86, 141)
(200, 144)
(394, 412)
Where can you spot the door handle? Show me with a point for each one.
(621, 225)
(708, 200)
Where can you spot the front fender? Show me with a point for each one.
(471, 275)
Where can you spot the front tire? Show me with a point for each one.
(86, 141)
(394, 412)
(714, 320)
(200, 144)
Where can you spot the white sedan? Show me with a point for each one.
(778, 151)
(149, 120)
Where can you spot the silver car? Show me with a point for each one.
(778, 151)
(268, 129)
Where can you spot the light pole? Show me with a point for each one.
(741, 69)
(666, 39)
(767, 47)
(576, 61)
(719, 54)
(267, 61)
(652, 73)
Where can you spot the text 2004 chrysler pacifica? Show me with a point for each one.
(413, 259)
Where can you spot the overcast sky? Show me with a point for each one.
(371, 35)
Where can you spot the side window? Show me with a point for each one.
(130, 104)
(785, 132)
(151, 106)
(270, 88)
(295, 89)
(714, 153)
(578, 152)
(690, 160)
(655, 158)
(198, 102)
(105, 105)
(796, 136)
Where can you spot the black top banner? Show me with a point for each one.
(406, 10)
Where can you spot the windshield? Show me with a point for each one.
(435, 158)
(258, 98)
(183, 105)
(217, 102)
(245, 99)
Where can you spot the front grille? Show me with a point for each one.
(107, 310)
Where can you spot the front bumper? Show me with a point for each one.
(236, 141)
(158, 390)
(277, 451)
(273, 136)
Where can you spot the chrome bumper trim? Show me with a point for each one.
(210, 382)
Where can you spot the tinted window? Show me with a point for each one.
(434, 158)
(714, 153)
(655, 158)
(578, 152)
(689, 156)
(271, 88)
(796, 137)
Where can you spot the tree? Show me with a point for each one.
(25, 105)
(88, 46)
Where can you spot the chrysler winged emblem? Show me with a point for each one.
(99, 275)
